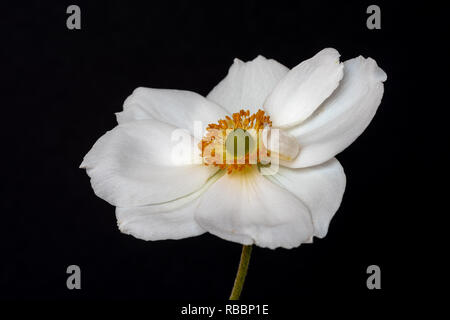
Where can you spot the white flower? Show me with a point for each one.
(321, 107)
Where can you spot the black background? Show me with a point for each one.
(63, 86)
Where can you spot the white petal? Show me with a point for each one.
(304, 88)
(169, 220)
(342, 117)
(176, 107)
(248, 84)
(320, 188)
(134, 164)
(143, 223)
(247, 208)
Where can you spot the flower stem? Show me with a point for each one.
(241, 273)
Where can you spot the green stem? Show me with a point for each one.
(242, 272)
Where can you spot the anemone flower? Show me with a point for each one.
(253, 162)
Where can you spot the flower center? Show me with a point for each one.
(236, 143)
